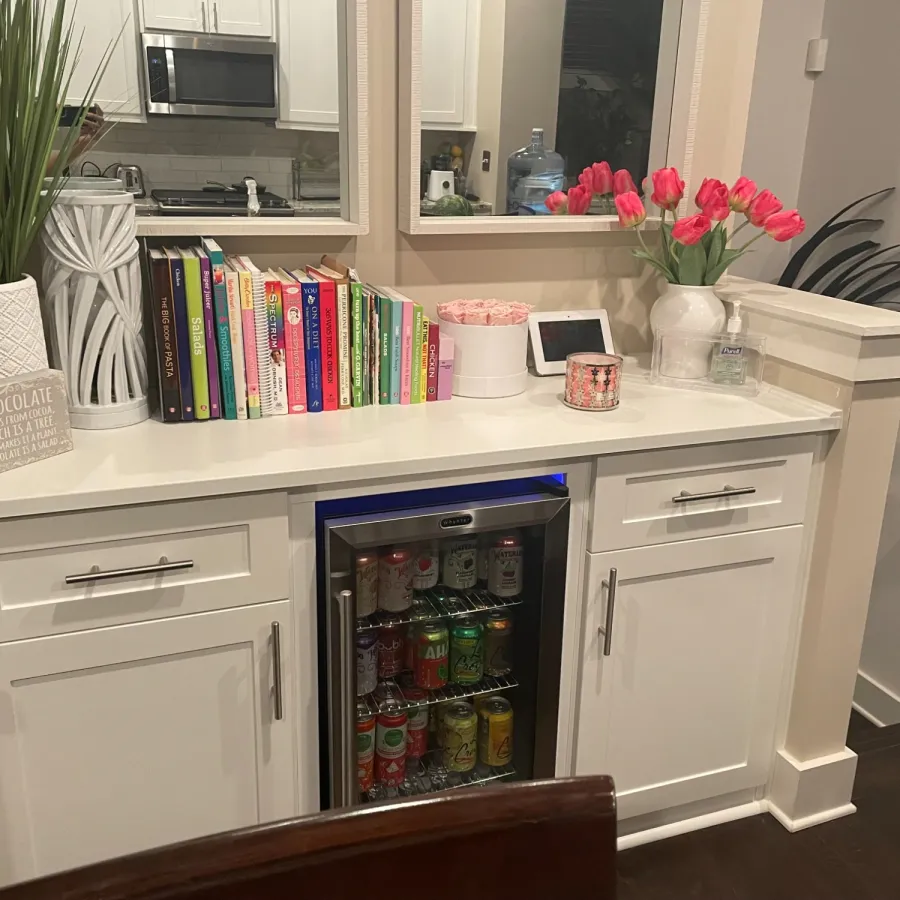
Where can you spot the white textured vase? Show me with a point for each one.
(689, 308)
(92, 294)
(22, 346)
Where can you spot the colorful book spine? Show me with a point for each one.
(415, 379)
(330, 376)
(423, 360)
(277, 363)
(166, 342)
(396, 347)
(445, 367)
(193, 289)
(345, 381)
(312, 340)
(236, 337)
(292, 302)
(373, 348)
(223, 328)
(182, 335)
(406, 351)
(209, 330)
(434, 337)
(385, 308)
(357, 320)
(248, 326)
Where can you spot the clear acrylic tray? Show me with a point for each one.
(685, 359)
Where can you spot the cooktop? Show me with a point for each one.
(217, 203)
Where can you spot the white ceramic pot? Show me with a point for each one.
(690, 308)
(92, 291)
(22, 346)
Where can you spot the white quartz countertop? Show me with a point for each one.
(155, 462)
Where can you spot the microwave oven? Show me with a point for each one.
(210, 76)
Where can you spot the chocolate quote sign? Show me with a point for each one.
(34, 418)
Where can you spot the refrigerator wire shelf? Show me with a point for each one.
(423, 784)
(393, 698)
(439, 603)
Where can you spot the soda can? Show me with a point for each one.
(390, 746)
(481, 564)
(505, 566)
(425, 567)
(435, 724)
(417, 727)
(366, 583)
(432, 650)
(390, 650)
(395, 580)
(458, 564)
(479, 701)
(459, 737)
(365, 749)
(466, 651)
(420, 612)
(495, 732)
(366, 662)
(498, 629)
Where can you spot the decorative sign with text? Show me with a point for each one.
(34, 418)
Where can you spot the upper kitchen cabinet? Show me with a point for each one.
(115, 32)
(248, 18)
(518, 97)
(308, 84)
(450, 64)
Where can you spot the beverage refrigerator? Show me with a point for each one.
(440, 636)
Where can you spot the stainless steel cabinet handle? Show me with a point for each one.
(276, 671)
(216, 14)
(606, 632)
(727, 491)
(348, 697)
(203, 13)
(96, 574)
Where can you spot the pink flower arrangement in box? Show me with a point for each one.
(694, 249)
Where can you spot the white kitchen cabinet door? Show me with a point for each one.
(176, 15)
(119, 92)
(449, 73)
(126, 738)
(308, 64)
(685, 706)
(245, 17)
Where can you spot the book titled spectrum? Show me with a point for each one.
(238, 342)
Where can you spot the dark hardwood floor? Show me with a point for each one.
(854, 858)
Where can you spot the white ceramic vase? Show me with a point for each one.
(22, 345)
(689, 308)
(92, 294)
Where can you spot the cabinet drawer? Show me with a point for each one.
(165, 559)
(690, 492)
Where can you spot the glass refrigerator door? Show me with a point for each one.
(444, 638)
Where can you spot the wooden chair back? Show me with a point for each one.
(545, 839)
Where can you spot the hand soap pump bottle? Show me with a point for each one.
(729, 363)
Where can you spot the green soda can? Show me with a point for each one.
(466, 651)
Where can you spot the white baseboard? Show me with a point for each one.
(803, 794)
(879, 704)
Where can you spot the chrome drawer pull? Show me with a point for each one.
(97, 574)
(276, 671)
(606, 632)
(724, 494)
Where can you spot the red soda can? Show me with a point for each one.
(432, 668)
(390, 747)
(417, 724)
(390, 651)
(365, 750)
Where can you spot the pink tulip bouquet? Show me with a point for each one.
(694, 249)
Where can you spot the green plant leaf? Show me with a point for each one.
(661, 267)
(728, 257)
(716, 249)
(692, 266)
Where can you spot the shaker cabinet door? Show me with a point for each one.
(685, 706)
(176, 15)
(249, 18)
(126, 738)
(449, 71)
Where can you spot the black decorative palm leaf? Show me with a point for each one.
(842, 274)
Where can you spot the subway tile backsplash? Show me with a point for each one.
(186, 153)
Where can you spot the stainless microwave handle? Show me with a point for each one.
(346, 763)
(170, 70)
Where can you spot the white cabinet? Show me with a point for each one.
(120, 739)
(450, 64)
(119, 92)
(247, 18)
(684, 708)
(308, 64)
(175, 15)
